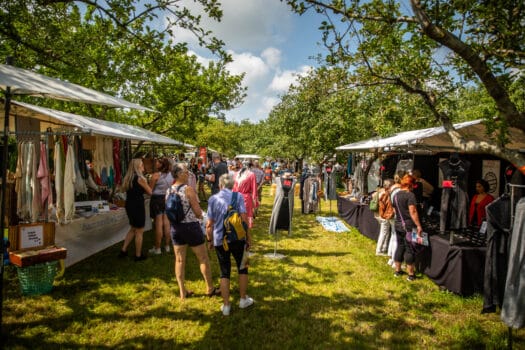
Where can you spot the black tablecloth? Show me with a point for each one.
(359, 216)
(459, 268)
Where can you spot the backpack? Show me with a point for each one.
(174, 208)
(234, 228)
(386, 210)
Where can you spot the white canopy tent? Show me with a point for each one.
(68, 121)
(432, 139)
(244, 157)
(25, 82)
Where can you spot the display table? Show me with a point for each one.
(84, 237)
(359, 216)
(458, 268)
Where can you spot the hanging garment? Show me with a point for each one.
(116, 162)
(310, 197)
(283, 205)
(454, 200)
(246, 185)
(69, 186)
(359, 179)
(80, 183)
(330, 183)
(513, 308)
(34, 195)
(19, 179)
(498, 229)
(43, 176)
(59, 182)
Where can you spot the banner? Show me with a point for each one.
(203, 153)
(491, 173)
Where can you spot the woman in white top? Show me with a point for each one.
(160, 182)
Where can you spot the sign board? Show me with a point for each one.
(31, 236)
(490, 172)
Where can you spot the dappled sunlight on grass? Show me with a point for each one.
(329, 291)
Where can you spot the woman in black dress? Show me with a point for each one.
(135, 185)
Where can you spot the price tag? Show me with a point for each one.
(483, 228)
(429, 211)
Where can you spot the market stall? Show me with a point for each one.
(93, 224)
(456, 257)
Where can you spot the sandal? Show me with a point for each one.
(215, 292)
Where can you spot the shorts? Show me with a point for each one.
(237, 250)
(189, 233)
(157, 205)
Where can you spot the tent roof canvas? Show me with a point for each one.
(433, 139)
(90, 125)
(25, 82)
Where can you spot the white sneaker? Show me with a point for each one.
(225, 310)
(155, 251)
(167, 248)
(246, 302)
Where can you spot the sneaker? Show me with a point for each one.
(246, 302)
(122, 254)
(225, 310)
(167, 248)
(155, 251)
(140, 258)
(398, 273)
(411, 278)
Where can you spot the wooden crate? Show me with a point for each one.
(31, 236)
(33, 257)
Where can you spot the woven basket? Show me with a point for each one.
(37, 279)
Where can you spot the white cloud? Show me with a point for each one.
(252, 65)
(245, 25)
(282, 81)
(272, 56)
(256, 34)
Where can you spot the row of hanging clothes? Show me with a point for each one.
(310, 188)
(53, 177)
(504, 276)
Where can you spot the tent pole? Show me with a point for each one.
(7, 103)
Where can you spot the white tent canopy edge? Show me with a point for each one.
(90, 125)
(25, 82)
(435, 138)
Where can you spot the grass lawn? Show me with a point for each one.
(329, 292)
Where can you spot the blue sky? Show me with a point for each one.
(268, 42)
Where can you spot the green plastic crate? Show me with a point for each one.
(37, 279)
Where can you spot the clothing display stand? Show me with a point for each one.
(275, 255)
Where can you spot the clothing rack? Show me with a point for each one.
(512, 188)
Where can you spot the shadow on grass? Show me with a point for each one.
(293, 310)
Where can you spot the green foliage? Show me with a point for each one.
(114, 47)
(434, 51)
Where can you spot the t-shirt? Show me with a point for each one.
(403, 199)
(218, 170)
(217, 208)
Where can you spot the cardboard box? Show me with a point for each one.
(31, 236)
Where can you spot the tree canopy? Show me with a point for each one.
(128, 49)
(433, 50)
